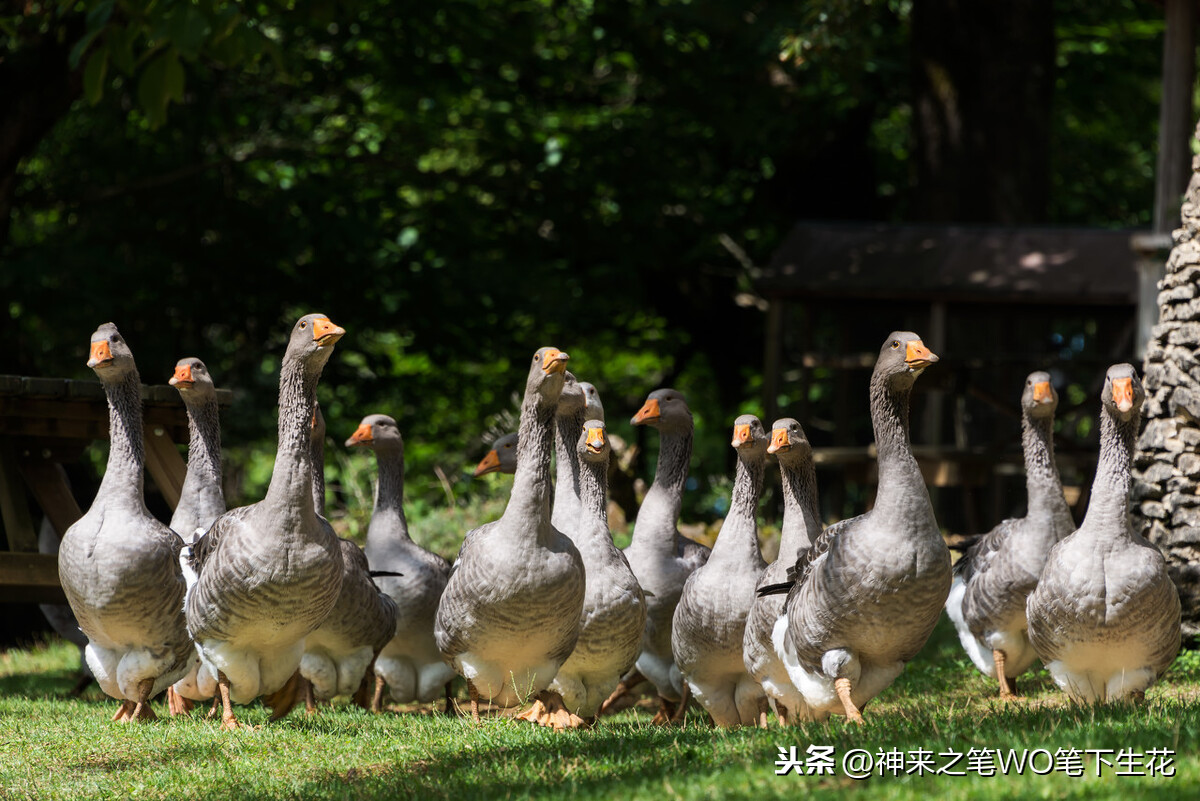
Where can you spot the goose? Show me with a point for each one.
(119, 566)
(710, 620)
(270, 572)
(593, 407)
(201, 501)
(865, 598)
(1104, 616)
(410, 665)
(338, 655)
(502, 458)
(801, 526)
(509, 616)
(614, 608)
(660, 557)
(994, 577)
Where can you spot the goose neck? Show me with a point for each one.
(1108, 509)
(123, 477)
(202, 485)
(901, 485)
(530, 497)
(593, 492)
(291, 486)
(738, 539)
(1042, 482)
(567, 477)
(389, 493)
(656, 523)
(801, 515)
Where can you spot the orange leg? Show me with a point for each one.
(842, 686)
(142, 711)
(1006, 693)
(228, 721)
(474, 703)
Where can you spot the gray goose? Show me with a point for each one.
(661, 558)
(866, 596)
(509, 615)
(270, 572)
(710, 620)
(801, 527)
(1104, 616)
(201, 501)
(118, 565)
(614, 609)
(501, 458)
(338, 655)
(994, 577)
(410, 664)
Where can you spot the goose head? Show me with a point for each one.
(1039, 400)
(502, 458)
(572, 399)
(547, 374)
(1123, 393)
(666, 410)
(788, 440)
(312, 340)
(592, 404)
(378, 432)
(749, 436)
(110, 356)
(193, 380)
(903, 358)
(593, 443)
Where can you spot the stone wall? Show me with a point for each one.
(1166, 489)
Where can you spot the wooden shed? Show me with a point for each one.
(995, 303)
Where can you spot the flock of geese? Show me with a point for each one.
(265, 601)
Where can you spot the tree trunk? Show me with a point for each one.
(983, 75)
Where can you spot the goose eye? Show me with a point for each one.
(895, 344)
(303, 324)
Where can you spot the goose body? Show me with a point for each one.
(709, 624)
(614, 608)
(119, 566)
(410, 665)
(1105, 616)
(509, 616)
(270, 572)
(868, 593)
(993, 579)
(801, 526)
(661, 558)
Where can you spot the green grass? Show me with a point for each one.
(51, 747)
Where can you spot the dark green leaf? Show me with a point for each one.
(94, 74)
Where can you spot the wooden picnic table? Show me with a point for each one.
(46, 422)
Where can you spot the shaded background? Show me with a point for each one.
(459, 183)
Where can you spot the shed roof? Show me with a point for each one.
(1073, 266)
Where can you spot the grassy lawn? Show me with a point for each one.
(51, 747)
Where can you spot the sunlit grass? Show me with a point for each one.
(52, 747)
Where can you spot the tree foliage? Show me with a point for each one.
(461, 182)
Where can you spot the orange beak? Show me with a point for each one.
(648, 412)
(1123, 393)
(489, 463)
(554, 361)
(595, 439)
(325, 332)
(361, 436)
(100, 354)
(183, 375)
(918, 356)
(741, 435)
(1042, 393)
(779, 441)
